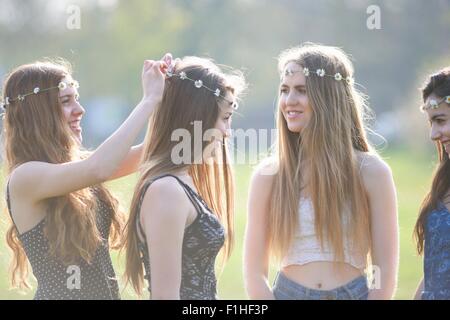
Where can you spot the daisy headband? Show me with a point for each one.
(197, 83)
(21, 97)
(434, 104)
(320, 73)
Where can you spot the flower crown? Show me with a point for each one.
(21, 97)
(198, 83)
(433, 104)
(321, 73)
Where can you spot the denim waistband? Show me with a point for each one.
(287, 289)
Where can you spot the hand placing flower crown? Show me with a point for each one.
(153, 77)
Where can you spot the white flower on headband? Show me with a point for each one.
(6, 101)
(171, 67)
(288, 72)
(320, 72)
(447, 99)
(434, 104)
(217, 92)
(183, 75)
(20, 97)
(62, 85)
(36, 90)
(349, 80)
(338, 76)
(198, 84)
(306, 72)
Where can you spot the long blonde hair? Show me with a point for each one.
(322, 158)
(183, 104)
(35, 130)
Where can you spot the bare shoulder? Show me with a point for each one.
(372, 164)
(264, 174)
(262, 182)
(22, 175)
(166, 197)
(375, 172)
(25, 211)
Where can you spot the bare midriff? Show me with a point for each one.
(322, 275)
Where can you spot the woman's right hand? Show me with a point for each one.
(153, 78)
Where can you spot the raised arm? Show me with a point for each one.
(256, 255)
(133, 159)
(131, 162)
(40, 180)
(164, 213)
(379, 183)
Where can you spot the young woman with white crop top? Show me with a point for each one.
(324, 207)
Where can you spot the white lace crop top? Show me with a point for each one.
(306, 247)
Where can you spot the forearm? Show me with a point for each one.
(131, 162)
(258, 288)
(384, 287)
(385, 269)
(110, 154)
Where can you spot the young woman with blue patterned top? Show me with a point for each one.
(432, 231)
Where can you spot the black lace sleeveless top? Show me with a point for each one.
(81, 281)
(202, 241)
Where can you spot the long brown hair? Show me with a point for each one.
(438, 84)
(325, 150)
(35, 130)
(183, 104)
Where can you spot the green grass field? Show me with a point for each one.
(412, 174)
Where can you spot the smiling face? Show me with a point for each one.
(439, 121)
(72, 109)
(293, 100)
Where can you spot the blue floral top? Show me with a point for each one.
(437, 254)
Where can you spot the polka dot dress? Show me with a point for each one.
(81, 281)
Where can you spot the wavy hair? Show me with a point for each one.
(35, 130)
